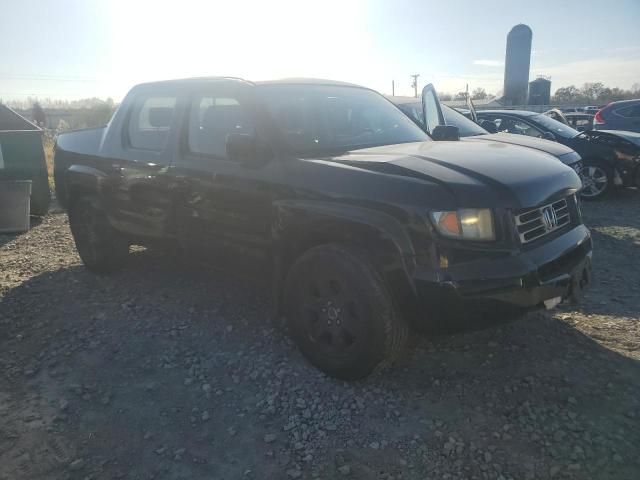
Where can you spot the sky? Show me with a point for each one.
(70, 49)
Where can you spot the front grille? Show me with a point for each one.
(535, 223)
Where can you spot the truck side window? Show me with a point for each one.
(150, 122)
(211, 119)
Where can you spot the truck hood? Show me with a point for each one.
(553, 148)
(477, 174)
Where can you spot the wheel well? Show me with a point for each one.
(600, 160)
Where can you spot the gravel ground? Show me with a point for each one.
(170, 371)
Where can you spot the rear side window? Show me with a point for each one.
(629, 112)
(150, 122)
(211, 119)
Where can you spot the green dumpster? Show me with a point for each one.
(22, 157)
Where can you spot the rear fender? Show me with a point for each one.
(81, 179)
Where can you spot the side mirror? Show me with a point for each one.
(445, 132)
(247, 150)
(489, 126)
(549, 136)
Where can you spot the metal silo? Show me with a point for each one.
(540, 91)
(516, 65)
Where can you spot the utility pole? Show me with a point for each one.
(393, 88)
(415, 84)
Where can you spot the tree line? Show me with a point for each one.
(594, 92)
(590, 93)
(86, 112)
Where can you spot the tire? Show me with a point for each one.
(101, 248)
(597, 179)
(340, 313)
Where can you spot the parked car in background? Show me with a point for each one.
(360, 222)
(609, 160)
(471, 131)
(558, 115)
(623, 115)
(580, 121)
(591, 109)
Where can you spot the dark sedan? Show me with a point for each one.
(610, 158)
(471, 131)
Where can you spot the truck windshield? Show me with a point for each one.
(467, 128)
(314, 119)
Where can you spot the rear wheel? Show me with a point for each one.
(101, 247)
(597, 180)
(340, 313)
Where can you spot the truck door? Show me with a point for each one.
(223, 208)
(141, 136)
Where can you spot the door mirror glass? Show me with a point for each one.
(489, 126)
(431, 109)
(446, 132)
(247, 150)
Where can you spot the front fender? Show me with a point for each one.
(301, 224)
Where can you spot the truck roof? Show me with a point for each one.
(402, 100)
(209, 80)
(307, 81)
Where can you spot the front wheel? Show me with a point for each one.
(340, 313)
(101, 247)
(597, 180)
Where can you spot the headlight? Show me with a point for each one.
(465, 224)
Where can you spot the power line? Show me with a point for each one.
(49, 78)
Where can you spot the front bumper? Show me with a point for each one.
(559, 268)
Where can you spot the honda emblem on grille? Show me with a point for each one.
(549, 218)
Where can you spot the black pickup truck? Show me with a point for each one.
(363, 225)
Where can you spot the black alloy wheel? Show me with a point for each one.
(340, 313)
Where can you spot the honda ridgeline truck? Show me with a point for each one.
(363, 224)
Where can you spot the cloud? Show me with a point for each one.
(489, 63)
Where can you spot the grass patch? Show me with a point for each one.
(48, 142)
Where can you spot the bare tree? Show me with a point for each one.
(479, 94)
(593, 90)
(37, 112)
